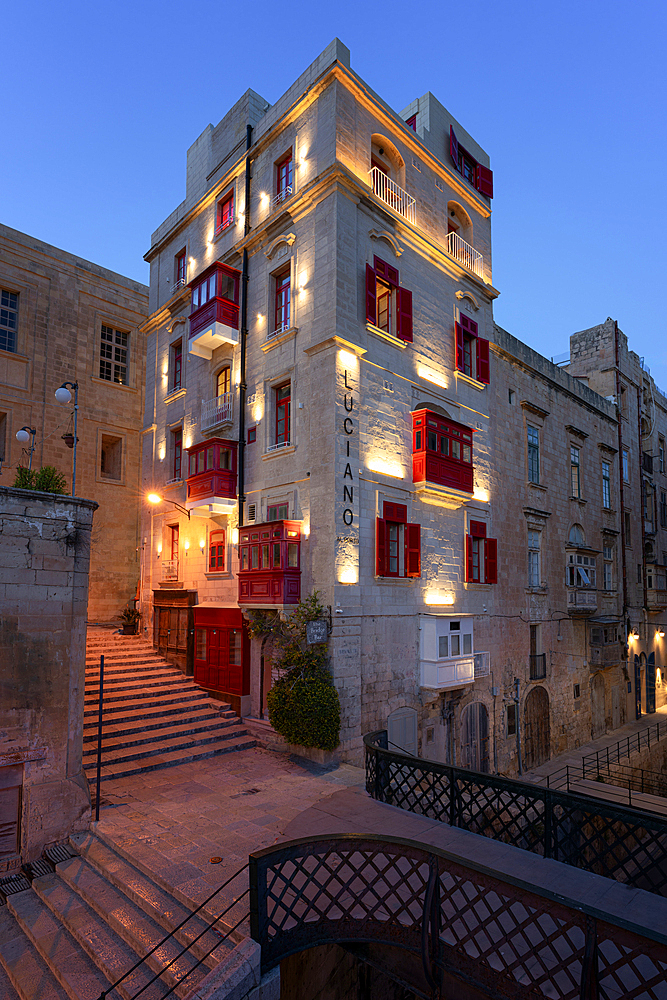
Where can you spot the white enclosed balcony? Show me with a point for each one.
(462, 252)
(447, 674)
(217, 411)
(392, 195)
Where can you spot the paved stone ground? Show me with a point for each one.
(175, 820)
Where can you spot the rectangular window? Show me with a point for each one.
(180, 270)
(412, 122)
(283, 397)
(282, 302)
(111, 457)
(172, 530)
(533, 454)
(225, 213)
(113, 355)
(626, 466)
(216, 551)
(252, 434)
(481, 555)
(277, 512)
(9, 317)
(581, 571)
(608, 567)
(576, 691)
(471, 351)
(177, 451)
(176, 364)
(538, 665)
(511, 720)
(575, 474)
(661, 455)
(388, 306)
(606, 485)
(534, 575)
(480, 177)
(284, 178)
(455, 638)
(648, 492)
(398, 548)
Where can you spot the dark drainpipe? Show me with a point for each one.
(620, 468)
(244, 331)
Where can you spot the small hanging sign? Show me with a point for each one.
(316, 631)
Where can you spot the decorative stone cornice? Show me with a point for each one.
(288, 238)
(382, 234)
(463, 294)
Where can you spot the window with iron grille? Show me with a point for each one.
(9, 317)
(114, 349)
(284, 177)
(533, 436)
(538, 659)
(181, 268)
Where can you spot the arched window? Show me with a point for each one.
(224, 381)
(576, 536)
(458, 221)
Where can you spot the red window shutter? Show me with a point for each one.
(483, 370)
(468, 325)
(484, 180)
(459, 347)
(478, 529)
(454, 148)
(412, 123)
(392, 275)
(395, 512)
(468, 558)
(371, 295)
(381, 547)
(491, 560)
(404, 331)
(381, 267)
(413, 550)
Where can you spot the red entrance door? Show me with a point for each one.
(222, 651)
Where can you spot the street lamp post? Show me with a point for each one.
(23, 435)
(63, 395)
(155, 498)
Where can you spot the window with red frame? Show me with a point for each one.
(283, 305)
(388, 306)
(180, 268)
(398, 544)
(252, 434)
(177, 450)
(216, 551)
(480, 177)
(173, 530)
(412, 123)
(283, 396)
(481, 555)
(176, 364)
(223, 381)
(441, 451)
(225, 215)
(472, 352)
(284, 177)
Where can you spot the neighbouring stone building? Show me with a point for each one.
(44, 559)
(64, 319)
(330, 406)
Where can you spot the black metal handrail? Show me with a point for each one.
(618, 775)
(619, 842)
(208, 927)
(625, 748)
(491, 931)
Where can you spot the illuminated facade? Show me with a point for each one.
(330, 403)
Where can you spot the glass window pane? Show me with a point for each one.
(293, 555)
(443, 646)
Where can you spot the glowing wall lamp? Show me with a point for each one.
(63, 395)
(23, 436)
(155, 498)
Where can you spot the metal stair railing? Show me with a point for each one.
(207, 929)
(625, 748)
(618, 775)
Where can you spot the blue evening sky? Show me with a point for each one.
(103, 99)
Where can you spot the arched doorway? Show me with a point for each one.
(597, 706)
(475, 737)
(537, 730)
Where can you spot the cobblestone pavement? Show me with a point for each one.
(175, 820)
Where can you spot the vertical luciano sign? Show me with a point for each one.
(347, 475)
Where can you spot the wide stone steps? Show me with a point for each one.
(76, 931)
(153, 716)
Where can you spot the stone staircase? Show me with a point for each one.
(80, 924)
(154, 716)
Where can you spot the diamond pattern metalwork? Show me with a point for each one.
(614, 841)
(490, 932)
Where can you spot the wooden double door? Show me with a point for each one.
(222, 651)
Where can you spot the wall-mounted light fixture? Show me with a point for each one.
(23, 436)
(155, 498)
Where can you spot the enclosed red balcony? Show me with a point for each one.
(211, 483)
(270, 563)
(441, 451)
(214, 318)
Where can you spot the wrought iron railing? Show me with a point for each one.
(199, 948)
(465, 254)
(391, 194)
(465, 928)
(282, 195)
(217, 410)
(630, 779)
(618, 842)
(592, 762)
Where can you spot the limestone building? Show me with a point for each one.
(64, 319)
(329, 406)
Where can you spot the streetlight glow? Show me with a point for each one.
(154, 498)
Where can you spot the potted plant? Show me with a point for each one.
(130, 618)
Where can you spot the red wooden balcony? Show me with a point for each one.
(441, 451)
(270, 563)
(214, 318)
(211, 484)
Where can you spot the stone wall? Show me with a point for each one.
(44, 564)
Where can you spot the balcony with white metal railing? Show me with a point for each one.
(281, 328)
(177, 284)
(282, 196)
(465, 254)
(218, 410)
(170, 569)
(392, 195)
